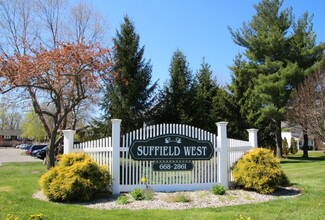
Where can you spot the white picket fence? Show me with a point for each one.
(127, 173)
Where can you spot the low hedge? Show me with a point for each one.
(76, 178)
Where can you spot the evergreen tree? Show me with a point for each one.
(241, 90)
(130, 96)
(210, 101)
(205, 89)
(285, 147)
(277, 61)
(176, 97)
(293, 147)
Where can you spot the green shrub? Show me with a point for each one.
(218, 190)
(76, 178)
(137, 194)
(285, 147)
(142, 194)
(122, 200)
(178, 197)
(259, 170)
(293, 147)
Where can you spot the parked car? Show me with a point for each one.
(22, 146)
(42, 153)
(35, 147)
(27, 148)
(34, 152)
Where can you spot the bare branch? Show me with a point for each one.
(307, 107)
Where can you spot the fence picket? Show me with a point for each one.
(203, 174)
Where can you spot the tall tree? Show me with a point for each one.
(209, 102)
(56, 81)
(177, 95)
(31, 34)
(130, 96)
(25, 25)
(204, 89)
(307, 107)
(240, 89)
(276, 61)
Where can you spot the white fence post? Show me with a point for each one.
(116, 135)
(68, 141)
(252, 137)
(222, 144)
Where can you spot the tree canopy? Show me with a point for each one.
(51, 59)
(32, 127)
(56, 81)
(278, 52)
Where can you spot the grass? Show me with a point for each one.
(18, 181)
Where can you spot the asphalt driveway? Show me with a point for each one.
(15, 155)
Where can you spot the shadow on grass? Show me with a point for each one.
(302, 159)
(286, 191)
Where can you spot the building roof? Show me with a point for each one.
(296, 130)
(11, 132)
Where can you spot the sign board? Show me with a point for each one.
(172, 166)
(171, 147)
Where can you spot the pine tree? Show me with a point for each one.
(176, 97)
(210, 101)
(240, 92)
(205, 89)
(130, 96)
(277, 61)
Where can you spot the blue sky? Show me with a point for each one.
(199, 28)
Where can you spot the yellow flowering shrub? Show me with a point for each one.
(259, 170)
(76, 178)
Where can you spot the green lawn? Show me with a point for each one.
(18, 181)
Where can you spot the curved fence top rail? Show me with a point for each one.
(163, 129)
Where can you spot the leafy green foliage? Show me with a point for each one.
(32, 127)
(218, 190)
(259, 170)
(122, 200)
(142, 194)
(137, 194)
(76, 178)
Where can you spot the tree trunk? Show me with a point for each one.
(278, 140)
(50, 156)
(305, 146)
